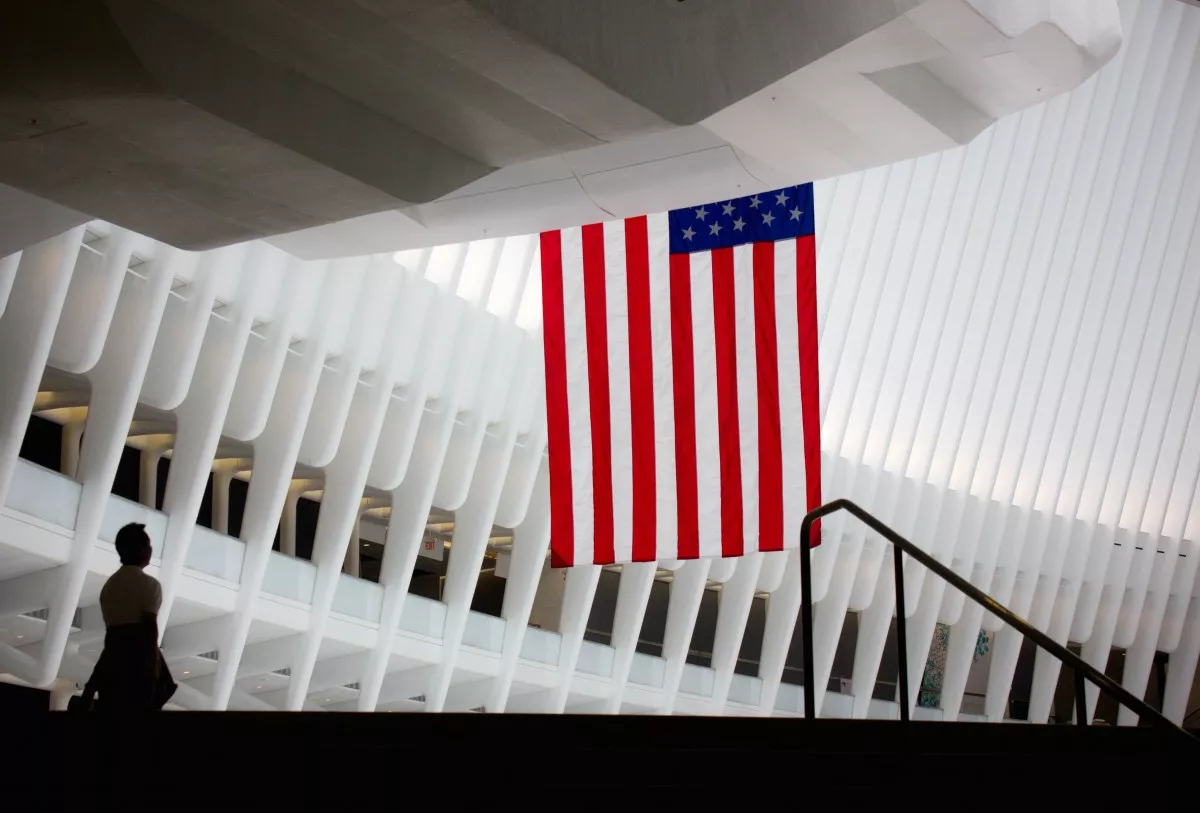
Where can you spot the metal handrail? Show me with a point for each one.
(901, 546)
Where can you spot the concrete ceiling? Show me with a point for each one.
(417, 122)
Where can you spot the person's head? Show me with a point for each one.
(133, 545)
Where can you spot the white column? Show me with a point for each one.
(577, 606)
(116, 381)
(60, 694)
(410, 470)
(72, 436)
(783, 608)
(737, 596)
(201, 417)
(346, 477)
(411, 503)
(287, 523)
(472, 529)
(1098, 647)
(1140, 657)
(874, 624)
(272, 491)
(529, 565)
(1181, 670)
(8, 275)
(148, 477)
(414, 497)
(1006, 647)
(687, 590)
(474, 520)
(548, 599)
(91, 302)
(829, 616)
(331, 405)
(292, 281)
(1046, 667)
(633, 594)
(26, 333)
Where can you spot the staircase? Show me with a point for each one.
(330, 760)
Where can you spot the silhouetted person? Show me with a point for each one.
(131, 674)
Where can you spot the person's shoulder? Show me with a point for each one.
(116, 584)
(114, 579)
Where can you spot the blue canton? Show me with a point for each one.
(768, 216)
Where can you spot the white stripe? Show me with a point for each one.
(617, 300)
(666, 504)
(578, 406)
(747, 389)
(708, 448)
(790, 416)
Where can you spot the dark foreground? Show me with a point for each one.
(229, 760)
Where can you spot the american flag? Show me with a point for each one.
(681, 381)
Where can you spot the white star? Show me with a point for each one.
(688, 233)
(701, 213)
(781, 198)
(728, 207)
(796, 213)
(754, 201)
(768, 218)
(714, 228)
(738, 224)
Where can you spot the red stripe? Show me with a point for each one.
(810, 396)
(641, 389)
(728, 429)
(595, 305)
(558, 431)
(684, 385)
(770, 437)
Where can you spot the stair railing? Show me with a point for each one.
(901, 546)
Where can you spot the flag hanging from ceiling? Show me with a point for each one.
(681, 381)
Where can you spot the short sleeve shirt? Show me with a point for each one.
(128, 595)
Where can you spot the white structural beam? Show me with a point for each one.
(531, 543)
(737, 595)
(576, 607)
(687, 589)
(272, 490)
(417, 470)
(473, 526)
(346, 476)
(33, 302)
(633, 593)
(201, 415)
(411, 503)
(783, 607)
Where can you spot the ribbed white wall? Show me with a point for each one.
(1009, 365)
(1010, 362)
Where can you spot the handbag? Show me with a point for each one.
(164, 684)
